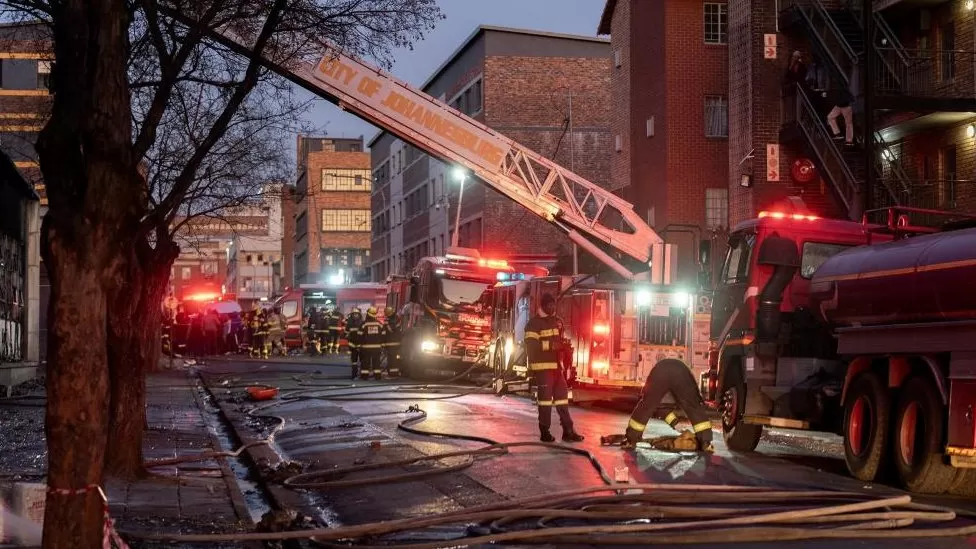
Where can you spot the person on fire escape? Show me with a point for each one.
(543, 343)
(671, 376)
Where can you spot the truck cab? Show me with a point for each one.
(771, 359)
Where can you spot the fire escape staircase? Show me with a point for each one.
(837, 38)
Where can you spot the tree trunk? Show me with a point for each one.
(135, 318)
(77, 387)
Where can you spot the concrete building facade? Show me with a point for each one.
(550, 92)
(254, 260)
(669, 115)
(332, 215)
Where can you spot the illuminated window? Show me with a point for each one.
(346, 220)
(43, 75)
(336, 179)
(185, 273)
(716, 24)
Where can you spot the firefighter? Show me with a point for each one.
(394, 329)
(372, 335)
(276, 333)
(259, 331)
(334, 322)
(321, 331)
(543, 343)
(671, 376)
(353, 324)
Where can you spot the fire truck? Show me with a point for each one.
(296, 303)
(863, 329)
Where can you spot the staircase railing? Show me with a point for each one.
(898, 184)
(892, 54)
(828, 36)
(832, 161)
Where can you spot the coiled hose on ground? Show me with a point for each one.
(627, 514)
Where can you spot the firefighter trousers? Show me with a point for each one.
(332, 340)
(370, 361)
(393, 358)
(553, 393)
(671, 376)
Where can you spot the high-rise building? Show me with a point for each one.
(332, 216)
(548, 91)
(669, 116)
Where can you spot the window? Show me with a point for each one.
(716, 116)
(334, 179)
(185, 273)
(43, 75)
(736, 269)
(947, 57)
(716, 24)
(289, 309)
(346, 220)
(716, 208)
(209, 268)
(814, 255)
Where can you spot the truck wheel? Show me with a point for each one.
(918, 439)
(498, 369)
(867, 411)
(964, 483)
(739, 436)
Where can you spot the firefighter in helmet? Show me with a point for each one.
(353, 324)
(334, 323)
(321, 330)
(394, 333)
(260, 327)
(671, 376)
(543, 346)
(372, 335)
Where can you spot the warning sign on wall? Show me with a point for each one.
(772, 162)
(769, 46)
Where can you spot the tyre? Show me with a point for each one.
(498, 370)
(919, 434)
(964, 483)
(867, 410)
(739, 436)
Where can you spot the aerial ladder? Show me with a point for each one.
(591, 216)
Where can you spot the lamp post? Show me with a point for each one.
(460, 175)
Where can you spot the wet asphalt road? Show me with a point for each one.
(362, 428)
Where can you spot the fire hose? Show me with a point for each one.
(631, 514)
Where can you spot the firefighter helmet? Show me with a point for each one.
(371, 311)
(356, 311)
(388, 311)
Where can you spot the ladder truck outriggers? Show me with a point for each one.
(592, 217)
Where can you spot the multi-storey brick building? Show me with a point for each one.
(548, 91)
(332, 217)
(922, 109)
(669, 115)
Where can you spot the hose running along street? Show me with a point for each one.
(613, 514)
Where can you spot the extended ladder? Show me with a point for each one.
(549, 190)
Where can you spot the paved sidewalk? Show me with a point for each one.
(196, 497)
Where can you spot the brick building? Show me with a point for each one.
(332, 216)
(669, 116)
(548, 91)
(289, 207)
(923, 110)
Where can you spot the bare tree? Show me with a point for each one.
(148, 116)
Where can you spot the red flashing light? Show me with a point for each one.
(601, 329)
(493, 263)
(601, 366)
(783, 215)
(203, 297)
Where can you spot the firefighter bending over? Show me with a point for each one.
(671, 376)
(394, 329)
(543, 343)
(372, 335)
(354, 323)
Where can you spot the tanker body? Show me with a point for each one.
(865, 330)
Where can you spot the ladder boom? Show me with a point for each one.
(536, 183)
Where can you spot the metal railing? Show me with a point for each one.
(834, 46)
(935, 194)
(897, 181)
(892, 55)
(832, 162)
(929, 73)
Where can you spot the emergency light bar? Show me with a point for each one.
(783, 215)
(509, 277)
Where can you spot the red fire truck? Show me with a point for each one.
(296, 303)
(867, 330)
(446, 306)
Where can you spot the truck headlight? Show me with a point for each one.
(428, 346)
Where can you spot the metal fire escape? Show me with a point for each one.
(836, 36)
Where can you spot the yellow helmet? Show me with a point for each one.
(371, 311)
(388, 311)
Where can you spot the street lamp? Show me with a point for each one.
(460, 174)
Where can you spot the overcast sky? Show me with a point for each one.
(463, 16)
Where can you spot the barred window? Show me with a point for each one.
(346, 220)
(716, 208)
(716, 24)
(716, 116)
(335, 179)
